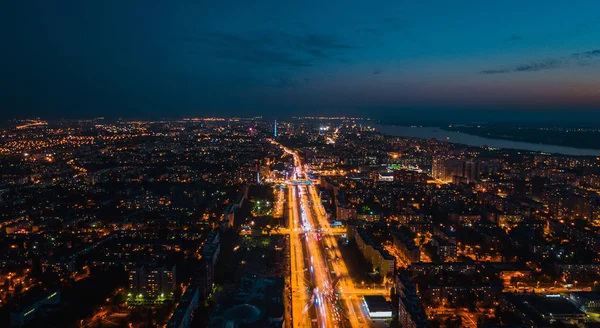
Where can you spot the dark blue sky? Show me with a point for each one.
(199, 58)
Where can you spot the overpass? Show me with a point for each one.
(298, 182)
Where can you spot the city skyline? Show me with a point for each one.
(116, 59)
(300, 164)
(311, 222)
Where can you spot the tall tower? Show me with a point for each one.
(257, 174)
(275, 129)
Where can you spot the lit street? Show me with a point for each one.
(327, 274)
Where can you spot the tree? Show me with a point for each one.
(395, 300)
(19, 289)
(453, 322)
(435, 323)
(118, 299)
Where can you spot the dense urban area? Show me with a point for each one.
(303, 222)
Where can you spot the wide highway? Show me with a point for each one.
(317, 265)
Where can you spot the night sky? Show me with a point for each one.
(275, 58)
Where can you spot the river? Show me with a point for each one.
(472, 140)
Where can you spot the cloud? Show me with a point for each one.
(281, 82)
(233, 47)
(381, 26)
(494, 71)
(529, 67)
(513, 38)
(587, 54)
(273, 59)
(318, 45)
(538, 66)
(317, 53)
(321, 41)
(271, 48)
(366, 30)
(585, 58)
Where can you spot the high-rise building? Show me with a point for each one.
(161, 282)
(204, 277)
(450, 170)
(152, 281)
(538, 184)
(519, 188)
(138, 278)
(204, 274)
(184, 313)
(437, 168)
(471, 171)
(275, 129)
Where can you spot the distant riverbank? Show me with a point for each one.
(473, 140)
(571, 137)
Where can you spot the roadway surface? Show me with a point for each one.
(323, 294)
